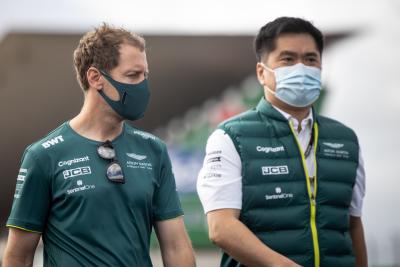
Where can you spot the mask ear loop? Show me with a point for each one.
(270, 70)
(109, 78)
(265, 67)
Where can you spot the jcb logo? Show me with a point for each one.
(53, 141)
(275, 170)
(77, 172)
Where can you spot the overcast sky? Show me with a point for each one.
(362, 72)
(191, 17)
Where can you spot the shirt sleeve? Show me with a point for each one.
(219, 183)
(358, 189)
(166, 204)
(32, 196)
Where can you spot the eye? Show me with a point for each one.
(137, 75)
(311, 60)
(287, 60)
(133, 74)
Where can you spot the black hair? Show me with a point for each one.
(265, 40)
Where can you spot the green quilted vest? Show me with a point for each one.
(277, 204)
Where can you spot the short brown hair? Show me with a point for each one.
(100, 49)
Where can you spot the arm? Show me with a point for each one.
(219, 186)
(357, 236)
(176, 249)
(20, 249)
(230, 234)
(355, 222)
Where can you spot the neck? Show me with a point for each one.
(298, 113)
(96, 120)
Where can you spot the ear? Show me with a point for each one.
(95, 79)
(260, 73)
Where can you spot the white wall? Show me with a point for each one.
(364, 75)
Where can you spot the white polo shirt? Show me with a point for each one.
(219, 183)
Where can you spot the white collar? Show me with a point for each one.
(306, 123)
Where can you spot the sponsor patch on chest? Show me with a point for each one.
(77, 172)
(136, 156)
(268, 149)
(138, 161)
(279, 194)
(80, 186)
(334, 150)
(275, 170)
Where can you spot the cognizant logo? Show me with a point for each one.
(279, 195)
(268, 149)
(72, 161)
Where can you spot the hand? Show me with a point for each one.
(288, 263)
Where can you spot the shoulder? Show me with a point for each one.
(251, 123)
(247, 116)
(143, 137)
(42, 152)
(242, 123)
(331, 126)
(48, 143)
(218, 138)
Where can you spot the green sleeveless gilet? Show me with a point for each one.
(277, 205)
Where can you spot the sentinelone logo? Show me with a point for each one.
(80, 187)
(72, 161)
(279, 195)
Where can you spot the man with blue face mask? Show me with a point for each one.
(96, 187)
(282, 185)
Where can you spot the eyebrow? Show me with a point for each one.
(311, 54)
(287, 53)
(294, 54)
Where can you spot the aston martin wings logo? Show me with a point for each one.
(333, 145)
(136, 156)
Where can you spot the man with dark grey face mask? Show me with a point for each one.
(95, 187)
(282, 185)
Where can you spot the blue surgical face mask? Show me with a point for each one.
(297, 85)
(133, 98)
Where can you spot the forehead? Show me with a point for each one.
(299, 43)
(131, 56)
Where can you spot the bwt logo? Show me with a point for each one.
(275, 170)
(53, 141)
(77, 172)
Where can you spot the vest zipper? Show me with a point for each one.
(311, 195)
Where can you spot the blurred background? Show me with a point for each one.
(203, 71)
